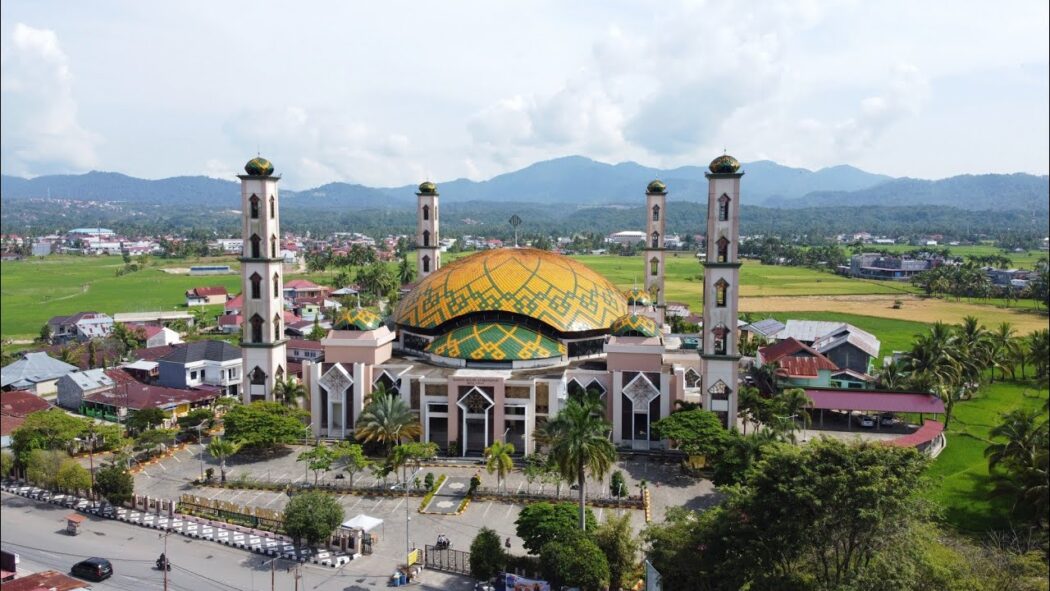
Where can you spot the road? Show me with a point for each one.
(36, 531)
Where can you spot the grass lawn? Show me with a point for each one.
(960, 474)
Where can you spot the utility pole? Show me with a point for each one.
(298, 575)
(273, 575)
(164, 565)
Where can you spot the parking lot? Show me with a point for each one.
(172, 477)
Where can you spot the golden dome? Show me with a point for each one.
(724, 164)
(638, 297)
(633, 325)
(556, 290)
(357, 319)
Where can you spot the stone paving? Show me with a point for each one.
(448, 498)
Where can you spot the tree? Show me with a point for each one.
(115, 484)
(72, 477)
(535, 467)
(487, 557)
(934, 366)
(144, 419)
(617, 485)
(892, 377)
(617, 540)
(405, 271)
(386, 419)
(127, 339)
(312, 517)
(544, 522)
(316, 332)
(45, 333)
(379, 280)
(202, 417)
(412, 452)
(43, 466)
(51, 429)
(264, 425)
(1020, 466)
(221, 449)
(7, 462)
(578, 443)
(151, 439)
(289, 391)
(498, 460)
(577, 561)
(1002, 341)
(695, 432)
(353, 457)
(318, 459)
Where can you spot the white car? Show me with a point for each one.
(866, 421)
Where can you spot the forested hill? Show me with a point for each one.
(572, 180)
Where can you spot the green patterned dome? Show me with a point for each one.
(725, 164)
(656, 186)
(259, 166)
(428, 188)
(633, 325)
(637, 297)
(495, 342)
(358, 319)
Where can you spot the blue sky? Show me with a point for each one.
(385, 93)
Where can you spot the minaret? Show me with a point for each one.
(262, 326)
(655, 229)
(428, 254)
(719, 356)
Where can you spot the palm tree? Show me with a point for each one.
(1021, 465)
(289, 391)
(386, 419)
(498, 460)
(795, 404)
(892, 377)
(220, 449)
(405, 272)
(1023, 432)
(1039, 345)
(578, 440)
(933, 366)
(1002, 341)
(750, 405)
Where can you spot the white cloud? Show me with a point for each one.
(40, 130)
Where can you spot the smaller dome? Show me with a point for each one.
(656, 186)
(259, 166)
(358, 319)
(633, 325)
(428, 188)
(637, 297)
(724, 164)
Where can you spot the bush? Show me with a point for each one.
(312, 516)
(428, 481)
(617, 485)
(475, 482)
(487, 558)
(43, 465)
(575, 561)
(115, 484)
(430, 494)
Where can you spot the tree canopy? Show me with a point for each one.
(312, 516)
(544, 522)
(264, 425)
(487, 557)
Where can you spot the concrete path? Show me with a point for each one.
(449, 496)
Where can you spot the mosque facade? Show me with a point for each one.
(490, 346)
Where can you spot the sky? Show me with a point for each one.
(390, 93)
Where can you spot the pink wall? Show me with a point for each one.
(652, 362)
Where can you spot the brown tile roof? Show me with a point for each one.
(154, 353)
(9, 423)
(211, 290)
(796, 359)
(305, 344)
(20, 403)
(47, 580)
(137, 396)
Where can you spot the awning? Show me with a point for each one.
(875, 401)
(924, 434)
(363, 522)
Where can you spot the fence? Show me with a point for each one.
(257, 517)
(447, 559)
(523, 497)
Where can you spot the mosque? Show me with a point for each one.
(490, 346)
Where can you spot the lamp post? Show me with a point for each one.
(200, 441)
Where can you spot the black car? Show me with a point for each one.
(93, 569)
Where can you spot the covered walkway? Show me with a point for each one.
(869, 401)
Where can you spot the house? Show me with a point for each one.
(143, 371)
(302, 328)
(798, 364)
(298, 288)
(806, 331)
(205, 296)
(302, 349)
(879, 266)
(73, 387)
(48, 580)
(15, 406)
(765, 330)
(153, 353)
(159, 318)
(850, 348)
(82, 327)
(213, 363)
(36, 372)
(156, 336)
(117, 403)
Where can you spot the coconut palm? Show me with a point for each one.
(1020, 466)
(289, 391)
(892, 377)
(1002, 342)
(578, 444)
(1023, 431)
(498, 460)
(1039, 345)
(386, 419)
(933, 365)
(220, 449)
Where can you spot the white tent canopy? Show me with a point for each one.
(363, 522)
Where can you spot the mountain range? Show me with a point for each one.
(574, 180)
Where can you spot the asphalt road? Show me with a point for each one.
(36, 531)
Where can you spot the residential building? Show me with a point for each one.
(123, 400)
(159, 318)
(213, 363)
(798, 364)
(303, 349)
(81, 327)
(850, 348)
(35, 372)
(74, 386)
(880, 266)
(204, 296)
(156, 336)
(626, 237)
(299, 288)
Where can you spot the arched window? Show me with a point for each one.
(721, 337)
(253, 207)
(276, 285)
(256, 286)
(257, 377)
(273, 207)
(277, 327)
(721, 287)
(654, 266)
(426, 212)
(256, 246)
(426, 264)
(723, 208)
(426, 237)
(273, 247)
(655, 239)
(723, 250)
(257, 329)
(656, 213)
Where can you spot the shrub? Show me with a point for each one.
(487, 556)
(428, 481)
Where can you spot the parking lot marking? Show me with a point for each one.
(394, 508)
(600, 511)
(359, 499)
(521, 484)
(251, 500)
(298, 478)
(175, 456)
(487, 507)
(509, 509)
(239, 493)
(379, 504)
(144, 473)
(275, 499)
(283, 474)
(161, 464)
